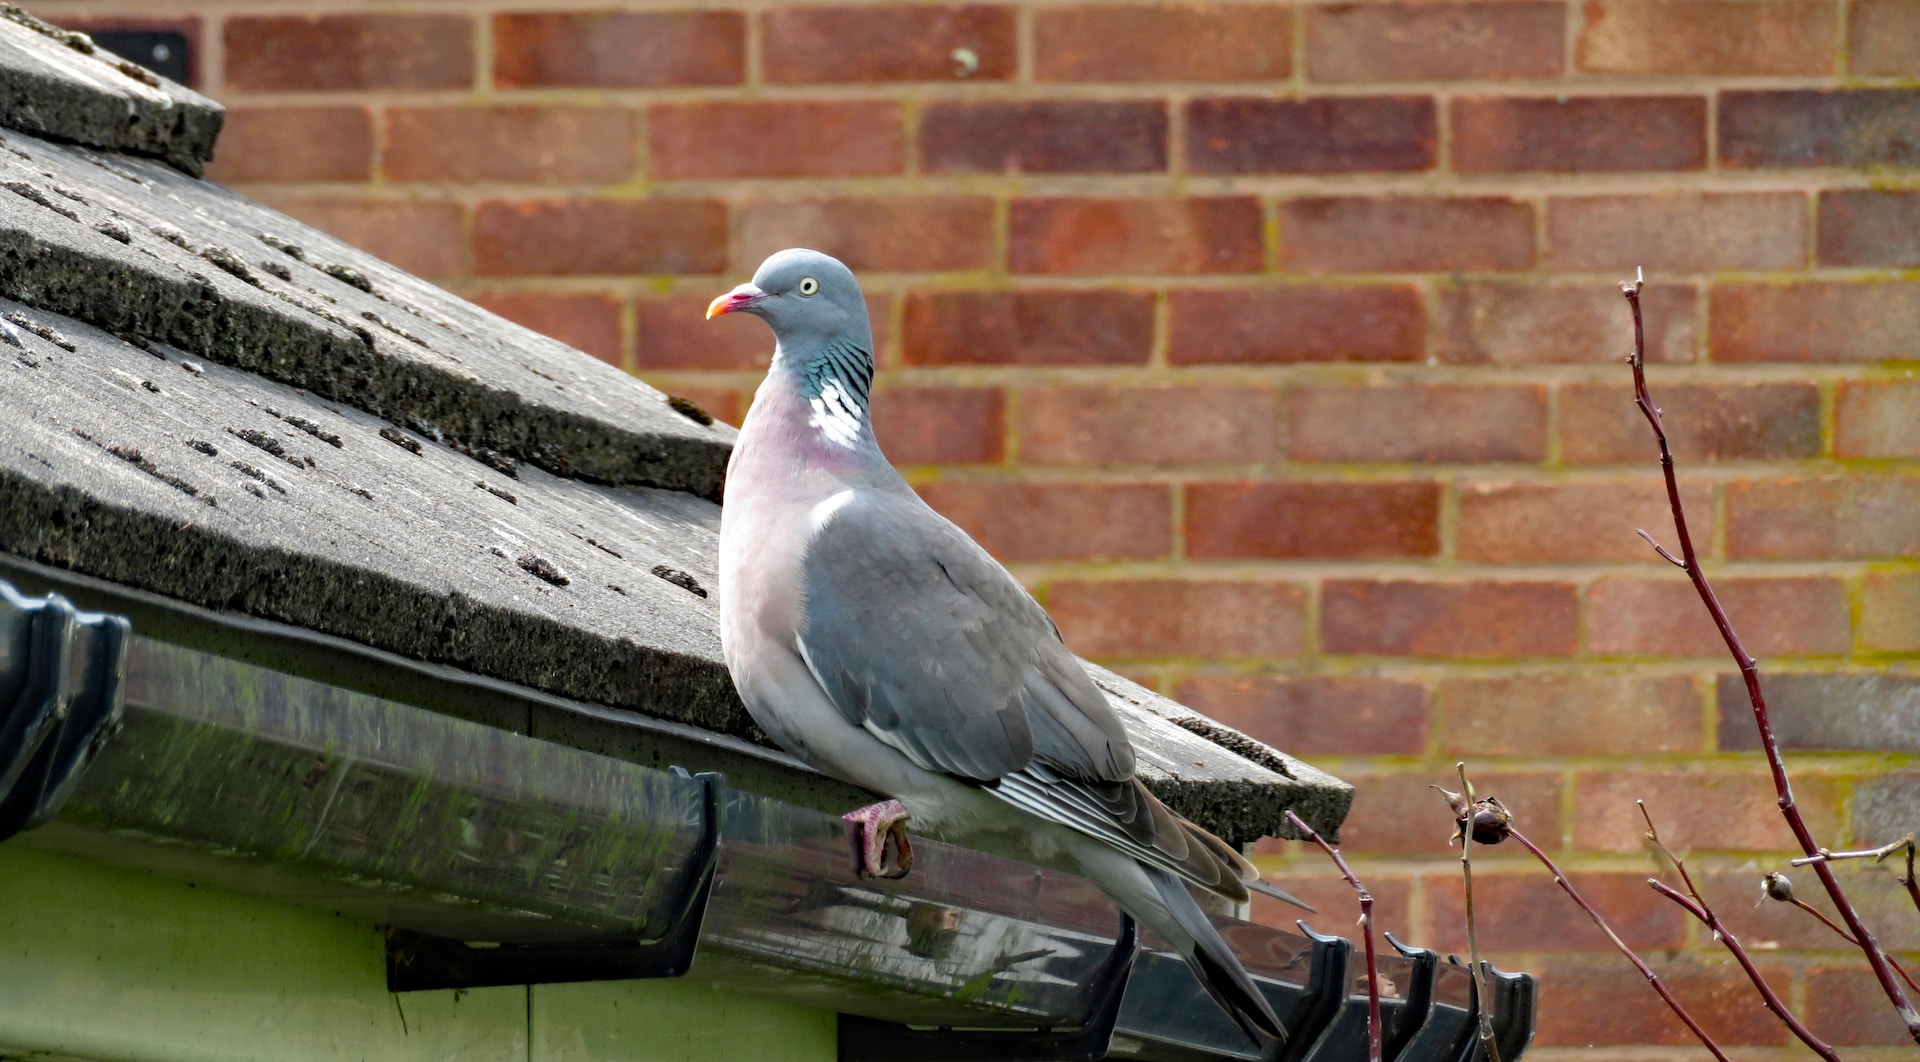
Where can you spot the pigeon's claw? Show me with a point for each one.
(878, 822)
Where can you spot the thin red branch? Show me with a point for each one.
(1638, 963)
(1777, 887)
(1696, 905)
(1366, 929)
(1725, 936)
(1750, 672)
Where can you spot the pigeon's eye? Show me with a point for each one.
(809, 287)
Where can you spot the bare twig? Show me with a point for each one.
(1696, 905)
(1366, 928)
(1750, 672)
(1875, 854)
(1483, 999)
(1776, 886)
(1638, 963)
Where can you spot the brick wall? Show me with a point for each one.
(1276, 345)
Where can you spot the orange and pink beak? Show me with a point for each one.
(738, 299)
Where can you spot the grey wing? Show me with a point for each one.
(921, 637)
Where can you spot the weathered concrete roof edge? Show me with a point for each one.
(150, 255)
(58, 84)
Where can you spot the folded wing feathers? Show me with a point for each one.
(977, 683)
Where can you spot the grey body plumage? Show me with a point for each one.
(874, 639)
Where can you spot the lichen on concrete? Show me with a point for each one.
(185, 265)
(54, 83)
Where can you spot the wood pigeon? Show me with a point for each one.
(873, 639)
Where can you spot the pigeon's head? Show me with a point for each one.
(808, 298)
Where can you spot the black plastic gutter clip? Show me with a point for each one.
(1312, 1022)
(1513, 998)
(1419, 1029)
(418, 962)
(872, 1040)
(62, 693)
(1512, 1016)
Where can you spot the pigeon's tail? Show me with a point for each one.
(1161, 902)
(1214, 963)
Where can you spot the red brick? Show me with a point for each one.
(1879, 418)
(332, 52)
(874, 233)
(819, 45)
(1587, 714)
(1331, 520)
(1151, 425)
(1477, 620)
(1890, 612)
(1416, 422)
(1705, 422)
(1028, 328)
(1405, 234)
(1823, 518)
(1697, 810)
(1630, 616)
(1811, 127)
(1312, 715)
(1060, 521)
(1163, 42)
(573, 145)
(1325, 889)
(1881, 904)
(1847, 1006)
(586, 237)
(1677, 232)
(1180, 617)
(674, 333)
(1883, 37)
(619, 49)
(422, 237)
(941, 425)
(1525, 910)
(1395, 813)
(1419, 41)
(584, 322)
(1333, 134)
(1043, 136)
(1524, 323)
(1604, 1002)
(298, 144)
(1810, 711)
(1377, 322)
(1869, 227)
(1882, 810)
(1579, 134)
(1527, 523)
(1780, 38)
(1105, 236)
(1815, 321)
(797, 138)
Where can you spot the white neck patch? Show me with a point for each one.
(837, 414)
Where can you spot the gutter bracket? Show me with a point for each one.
(62, 696)
(872, 1040)
(1326, 992)
(1513, 1002)
(418, 962)
(1417, 1022)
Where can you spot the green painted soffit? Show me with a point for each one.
(106, 964)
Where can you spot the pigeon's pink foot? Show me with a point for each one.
(878, 822)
